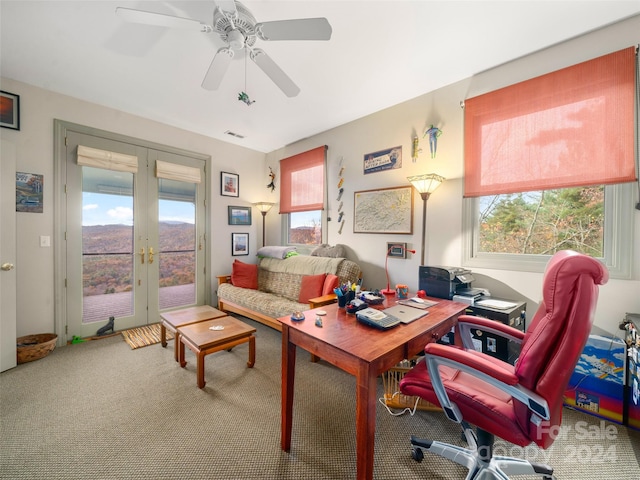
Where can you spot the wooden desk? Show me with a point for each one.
(362, 351)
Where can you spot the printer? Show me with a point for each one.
(445, 282)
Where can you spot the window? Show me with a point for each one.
(548, 163)
(302, 196)
(521, 231)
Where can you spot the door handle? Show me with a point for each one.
(142, 256)
(150, 254)
(7, 266)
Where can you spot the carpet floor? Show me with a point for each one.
(100, 410)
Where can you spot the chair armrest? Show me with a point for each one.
(502, 371)
(468, 322)
(223, 279)
(323, 300)
(477, 364)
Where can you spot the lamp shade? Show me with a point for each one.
(426, 183)
(263, 207)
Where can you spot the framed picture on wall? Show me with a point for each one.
(239, 244)
(384, 210)
(239, 215)
(229, 184)
(9, 110)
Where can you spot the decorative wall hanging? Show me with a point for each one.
(433, 133)
(340, 192)
(415, 149)
(9, 110)
(386, 210)
(29, 187)
(239, 244)
(272, 177)
(239, 215)
(383, 160)
(229, 184)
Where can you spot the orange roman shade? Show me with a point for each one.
(302, 181)
(573, 127)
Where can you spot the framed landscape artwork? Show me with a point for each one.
(229, 184)
(239, 215)
(384, 210)
(9, 110)
(239, 244)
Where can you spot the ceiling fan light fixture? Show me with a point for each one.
(235, 39)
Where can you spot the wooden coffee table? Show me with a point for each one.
(178, 318)
(202, 340)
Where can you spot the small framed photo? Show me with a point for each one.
(396, 250)
(239, 215)
(9, 110)
(229, 184)
(239, 244)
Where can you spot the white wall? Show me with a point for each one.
(397, 126)
(33, 145)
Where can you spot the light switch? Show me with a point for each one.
(45, 241)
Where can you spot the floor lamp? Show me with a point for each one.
(425, 185)
(263, 207)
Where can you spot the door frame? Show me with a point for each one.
(61, 128)
(8, 240)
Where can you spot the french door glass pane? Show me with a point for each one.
(107, 244)
(177, 243)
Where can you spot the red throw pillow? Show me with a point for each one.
(330, 283)
(311, 287)
(244, 275)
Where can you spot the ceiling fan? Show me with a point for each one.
(238, 28)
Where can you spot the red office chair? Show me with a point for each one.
(519, 403)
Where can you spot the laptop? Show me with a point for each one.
(405, 313)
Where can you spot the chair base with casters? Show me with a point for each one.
(479, 458)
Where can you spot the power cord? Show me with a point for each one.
(402, 412)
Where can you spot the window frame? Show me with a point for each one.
(618, 234)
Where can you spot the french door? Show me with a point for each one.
(135, 233)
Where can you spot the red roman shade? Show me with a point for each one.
(302, 181)
(569, 128)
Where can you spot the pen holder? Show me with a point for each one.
(402, 291)
(346, 298)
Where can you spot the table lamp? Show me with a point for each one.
(388, 290)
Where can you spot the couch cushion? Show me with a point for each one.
(311, 287)
(244, 275)
(266, 303)
(330, 283)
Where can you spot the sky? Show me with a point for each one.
(105, 209)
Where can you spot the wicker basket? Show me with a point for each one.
(393, 398)
(35, 347)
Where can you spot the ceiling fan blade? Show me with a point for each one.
(299, 29)
(161, 20)
(217, 69)
(274, 72)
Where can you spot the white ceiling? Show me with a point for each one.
(381, 53)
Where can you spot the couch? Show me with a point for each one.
(277, 287)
